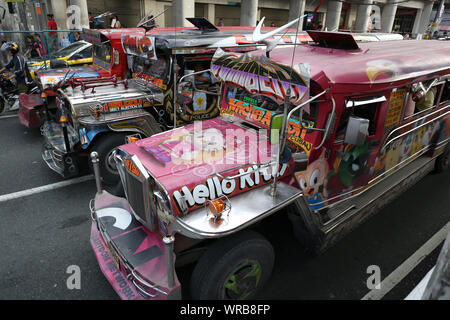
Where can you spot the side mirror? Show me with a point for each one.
(276, 123)
(357, 131)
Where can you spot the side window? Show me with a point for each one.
(86, 53)
(422, 96)
(360, 107)
(445, 92)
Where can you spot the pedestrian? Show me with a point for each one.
(32, 51)
(40, 49)
(91, 20)
(19, 66)
(371, 26)
(115, 23)
(53, 36)
(220, 24)
(74, 36)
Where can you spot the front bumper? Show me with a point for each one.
(132, 258)
(28, 115)
(54, 151)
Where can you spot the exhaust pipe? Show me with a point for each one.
(96, 165)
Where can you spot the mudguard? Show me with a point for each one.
(132, 258)
(28, 115)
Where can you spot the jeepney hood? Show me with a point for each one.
(51, 77)
(112, 98)
(192, 155)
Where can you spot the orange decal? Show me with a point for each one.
(130, 165)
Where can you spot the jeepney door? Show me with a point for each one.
(352, 163)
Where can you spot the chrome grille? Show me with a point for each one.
(136, 189)
(135, 194)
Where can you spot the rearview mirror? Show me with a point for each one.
(357, 131)
(276, 123)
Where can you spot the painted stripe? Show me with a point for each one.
(48, 187)
(408, 265)
(9, 116)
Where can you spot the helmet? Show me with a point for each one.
(10, 46)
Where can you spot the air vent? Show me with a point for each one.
(334, 40)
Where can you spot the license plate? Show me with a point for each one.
(113, 255)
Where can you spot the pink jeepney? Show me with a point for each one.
(329, 135)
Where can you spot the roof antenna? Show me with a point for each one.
(147, 18)
(285, 111)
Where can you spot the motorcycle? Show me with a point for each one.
(9, 95)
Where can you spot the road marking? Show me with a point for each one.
(408, 265)
(9, 116)
(48, 187)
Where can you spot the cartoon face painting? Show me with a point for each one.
(392, 155)
(354, 164)
(200, 146)
(428, 136)
(416, 145)
(406, 146)
(313, 182)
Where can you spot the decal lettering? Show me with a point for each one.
(132, 167)
(213, 187)
(266, 78)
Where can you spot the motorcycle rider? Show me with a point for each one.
(19, 65)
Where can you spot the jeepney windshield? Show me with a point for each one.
(103, 52)
(67, 51)
(235, 93)
(155, 68)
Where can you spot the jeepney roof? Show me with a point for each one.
(102, 35)
(373, 63)
(191, 37)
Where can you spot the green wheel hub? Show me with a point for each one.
(242, 281)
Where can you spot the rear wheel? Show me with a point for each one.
(233, 268)
(105, 146)
(2, 105)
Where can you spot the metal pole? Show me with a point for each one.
(170, 267)
(96, 165)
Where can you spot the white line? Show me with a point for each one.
(408, 265)
(9, 116)
(48, 187)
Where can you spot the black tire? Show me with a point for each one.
(2, 105)
(229, 258)
(443, 160)
(104, 146)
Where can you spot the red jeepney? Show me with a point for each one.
(109, 60)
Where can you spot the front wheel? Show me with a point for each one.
(105, 147)
(233, 268)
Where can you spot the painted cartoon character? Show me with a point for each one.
(354, 164)
(392, 155)
(380, 162)
(209, 144)
(416, 145)
(313, 182)
(430, 131)
(406, 146)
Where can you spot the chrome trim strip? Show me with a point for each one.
(352, 103)
(412, 122)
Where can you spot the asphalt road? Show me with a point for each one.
(45, 233)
